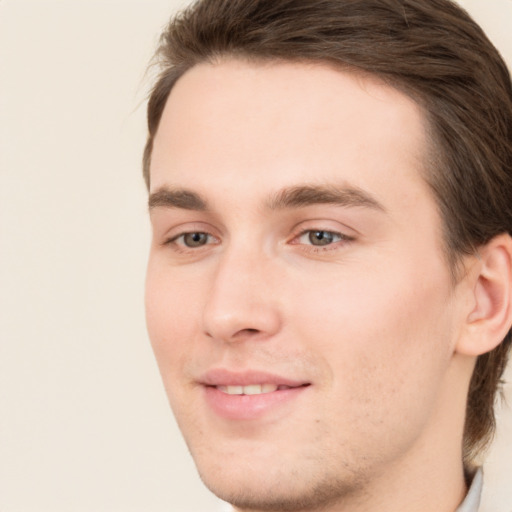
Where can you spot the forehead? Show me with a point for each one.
(261, 125)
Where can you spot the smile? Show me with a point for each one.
(252, 389)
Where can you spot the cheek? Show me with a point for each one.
(384, 337)
(172, 307)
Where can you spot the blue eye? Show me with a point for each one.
(320, 237)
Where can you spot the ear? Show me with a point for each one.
(490, 318)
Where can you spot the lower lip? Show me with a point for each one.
(249, 407)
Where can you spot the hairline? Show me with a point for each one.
(432, 158)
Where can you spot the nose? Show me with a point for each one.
(243, 301)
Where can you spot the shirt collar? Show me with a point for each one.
(472, 500)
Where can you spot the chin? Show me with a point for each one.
(275, 489)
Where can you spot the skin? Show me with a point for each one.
(371, 320)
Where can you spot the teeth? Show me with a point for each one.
(252, 389)
(234, 390)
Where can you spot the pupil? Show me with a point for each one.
(195, 239)
(321, 237)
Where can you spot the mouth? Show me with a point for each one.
(250, 395)
(255, 389)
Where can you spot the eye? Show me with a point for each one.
(192, 240)
(320, 237)
(195, 239)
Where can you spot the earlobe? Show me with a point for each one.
(491, 316)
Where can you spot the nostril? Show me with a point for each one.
(249, 332)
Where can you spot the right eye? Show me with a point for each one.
(192, 239)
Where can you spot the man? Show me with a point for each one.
(329, 283)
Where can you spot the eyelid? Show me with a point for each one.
(172, 236)
(181, 235)
(342, 236)
(324, 224)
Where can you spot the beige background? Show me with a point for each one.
(84, 424)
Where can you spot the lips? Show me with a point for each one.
(227, 378)
(248, 395)
(251, 389)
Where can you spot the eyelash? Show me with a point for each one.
(341, 239)
(178, 241)
(181, 247)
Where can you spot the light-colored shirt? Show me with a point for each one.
(472, 500)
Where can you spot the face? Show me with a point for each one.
(298, 301)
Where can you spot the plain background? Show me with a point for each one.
(84, 423)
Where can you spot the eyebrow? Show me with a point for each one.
(292, 197)
(308, 195)
(177, 198)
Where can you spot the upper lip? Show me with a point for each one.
(224, 377)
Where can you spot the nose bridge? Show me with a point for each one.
(241, 300)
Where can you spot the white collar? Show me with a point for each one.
(472, 500)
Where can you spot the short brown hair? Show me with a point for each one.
(431, 50)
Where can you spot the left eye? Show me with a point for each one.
(320, 237)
